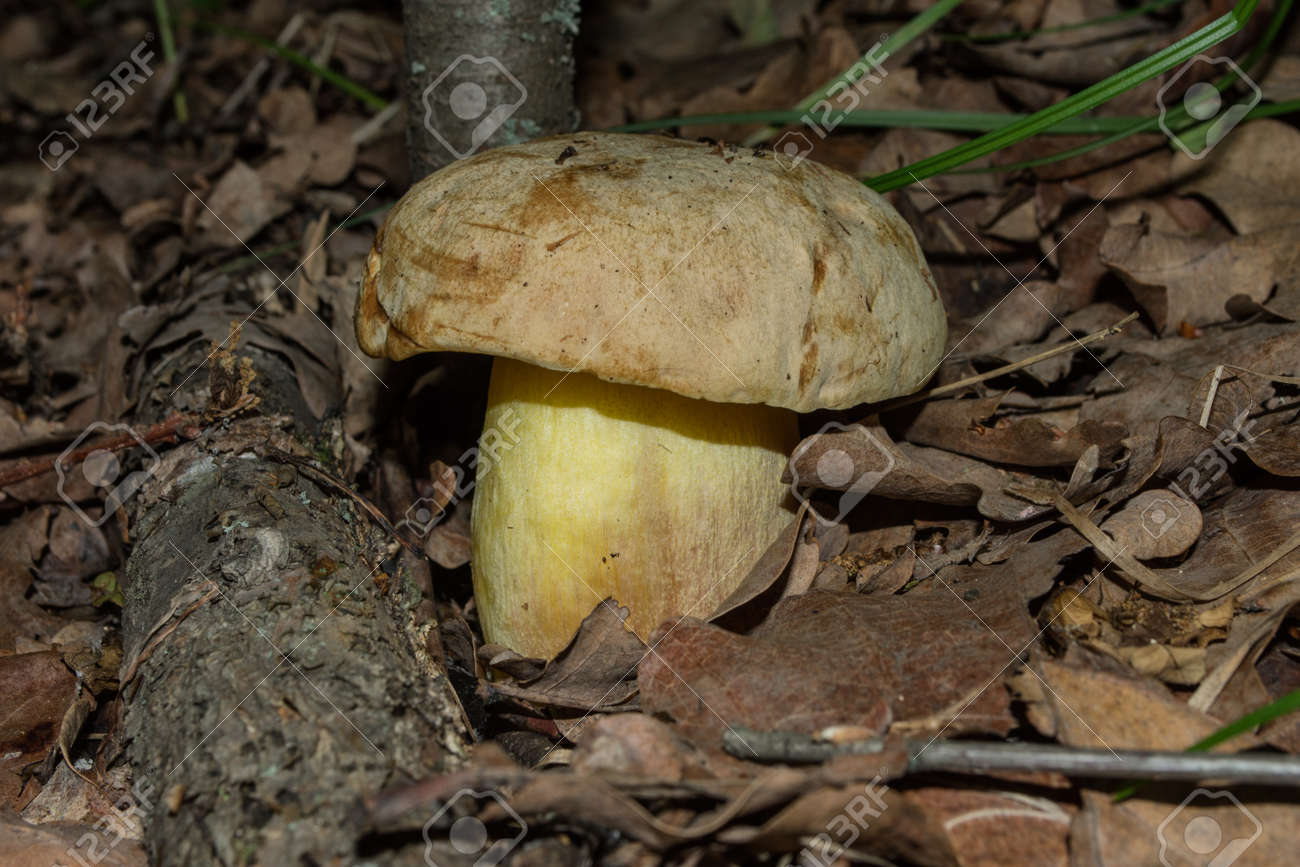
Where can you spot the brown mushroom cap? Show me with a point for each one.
(711, 271)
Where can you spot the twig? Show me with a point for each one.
(1154, 583)
(979, 757)
(1218, 678)
(322, 56)
(372, 128)
(960, 384)
(1210, 395)
(1272, 377)
(249, 84)
(170, 429)
(1124, 561)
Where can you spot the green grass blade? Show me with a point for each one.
(888, 48)
(875, 54)
(1087, 99)
(1061, 28)
(342, 82)
(958, 121)
(1177, 118)
(1288, 703)
(163, 13)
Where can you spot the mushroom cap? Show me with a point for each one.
(711, 271)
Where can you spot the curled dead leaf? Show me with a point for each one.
(1155, 524)
(1182, 666)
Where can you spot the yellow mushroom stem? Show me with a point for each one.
(598, 489)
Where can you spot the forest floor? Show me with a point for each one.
(1093, 550)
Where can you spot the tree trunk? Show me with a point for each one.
(483, 74)
(274, 672)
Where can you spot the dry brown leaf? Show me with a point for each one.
(331, 148)
(764, 575)
(288, 110)
(1155, 524)
(1241, 529)
(635, 745)
(1277, 451)
(239, 206)
(1075, 57)
(876, 561)
(890, 824)
(1182, 666)
(448, 543)
(40, 690)
(1097, 709)
(597, 669)
(1281, 81)
(902, 146)
(1178, 279)
(1024, 316)
(1162, 377)
(315, 261)
(794, 673)
(1251, 176)
(20, 617)
(786, 81)
(902, 471)
(996, 829)
(969, 427)
(1091, 707)
(26, 845)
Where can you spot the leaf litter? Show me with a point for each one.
(1084, 542)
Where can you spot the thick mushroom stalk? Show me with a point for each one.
(660, 501)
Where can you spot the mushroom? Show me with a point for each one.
(660, 311)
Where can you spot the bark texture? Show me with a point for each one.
(483, 73)
(274, 672)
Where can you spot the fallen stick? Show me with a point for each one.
(168, 430)
(939, 391)
(980, 757)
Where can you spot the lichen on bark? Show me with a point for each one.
(241, 559)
